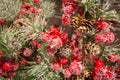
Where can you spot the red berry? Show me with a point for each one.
(1, 62)
(99, 63)
(20, 51)
(113, 57)
(34, 43)
(10, 74)
(76, 67)
(39, 11)
(51, 51)
(23, 62)
(2, 21)
(102, 25)
(109, 37)
(69, 9)
(109, 73)
(1, 71)
(67, 72)
(24, 11)
(80, 10)
(27, 52)
(15, 66)
(118, 61)
(36, 1)
(45, 36)
(32, 9)
(1, 52)
(39, 46)
(64, 61)
(7, 66)
(97, 69)
(26, 6)
(56, 66)
(75, 55)
(38, 60)
(66, 19)
(64, 37)
(54, 30)
(99, 38)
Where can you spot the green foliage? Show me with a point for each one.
(47, 11)
(9, 9)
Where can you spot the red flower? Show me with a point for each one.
(113, 57)
(102, 25)
(64, 61)
(56, 66)
(27, 52)
(66, 72)
(66, 19)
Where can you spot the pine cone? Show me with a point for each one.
(86, 73)
(9, 9)
(92, 48)
(65, 51)
(81, 24)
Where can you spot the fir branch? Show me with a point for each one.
(9, 9)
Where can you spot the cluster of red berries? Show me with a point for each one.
(8, 67)
(104, 37)
(26, 54)
(101, 71)
(27, 9)
(36, 44)
(68, 67)
(69, 7)
(54, 38)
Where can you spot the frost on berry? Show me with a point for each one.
(66, 19)
(66, 72)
